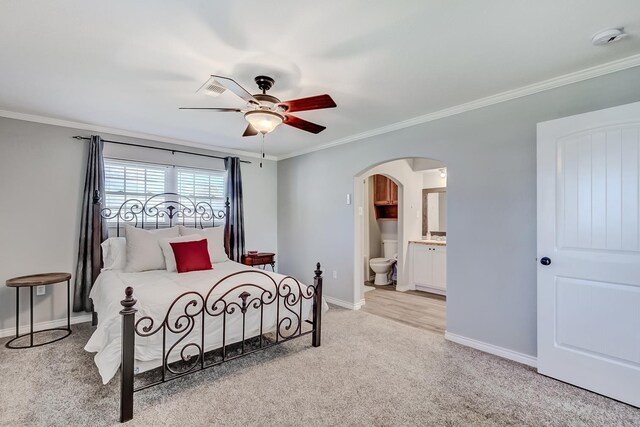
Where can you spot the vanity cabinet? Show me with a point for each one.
(429, 268)
(385, 197)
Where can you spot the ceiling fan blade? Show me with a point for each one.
(297, 122)
(311, 103)
(234, 87)
(236, 110)
(250, 131)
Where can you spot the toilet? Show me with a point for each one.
(383, 266)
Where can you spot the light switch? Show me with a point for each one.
(348, 198)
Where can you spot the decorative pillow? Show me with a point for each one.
(114, 253)
(191, 256)
(215, 238)
(143, 248)
(167, 250)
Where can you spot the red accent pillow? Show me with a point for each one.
(191, 256)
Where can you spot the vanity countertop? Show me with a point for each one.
(429, 242)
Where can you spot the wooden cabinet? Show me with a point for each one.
(385, 191)
(429, 268)
(385, 197)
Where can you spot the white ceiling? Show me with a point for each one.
(130, 64)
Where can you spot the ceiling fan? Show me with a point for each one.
(265, 112)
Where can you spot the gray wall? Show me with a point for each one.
(491, 158)
(41, 178)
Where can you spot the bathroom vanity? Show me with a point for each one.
(428, 271)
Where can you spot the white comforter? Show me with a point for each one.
(156, 290)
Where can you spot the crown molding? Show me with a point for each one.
(555, 82)
(121, 132)
(566, 79)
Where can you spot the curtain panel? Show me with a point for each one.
(94, 184)
(236, 213)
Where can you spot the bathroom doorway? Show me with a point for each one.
(400, 246)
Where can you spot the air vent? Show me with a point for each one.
(211, 87)
(609, 36)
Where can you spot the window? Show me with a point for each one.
(126, 180)
(201, 186)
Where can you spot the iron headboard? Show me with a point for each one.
(158, 210)
(164, 209)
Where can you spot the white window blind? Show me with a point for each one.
(126, 180)
(202, 186)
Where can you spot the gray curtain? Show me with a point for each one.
(94, 181)
(236, 213)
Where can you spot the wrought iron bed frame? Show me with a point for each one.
(288, 295)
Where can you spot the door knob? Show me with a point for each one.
(545, 260)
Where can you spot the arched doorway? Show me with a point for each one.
(410, 176)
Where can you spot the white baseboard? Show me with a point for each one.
(345, 304)
(60, 323)
(493, 349)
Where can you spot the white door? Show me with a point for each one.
(588, 229)
(439, 256)
(422, 265)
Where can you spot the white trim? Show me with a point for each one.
(555, 82)
(121, 132)
(492, 349)
(342, 303)
(24, 329)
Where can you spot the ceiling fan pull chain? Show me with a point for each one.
(262, 150)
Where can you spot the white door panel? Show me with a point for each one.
(589, 226)
(439, 256)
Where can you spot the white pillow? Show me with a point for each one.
(215, 241)
(167, 250)
(143, 248)
(114, 253)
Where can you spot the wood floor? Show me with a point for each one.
(415, 308)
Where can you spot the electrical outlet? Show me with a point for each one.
(40, 290)
(335, 274)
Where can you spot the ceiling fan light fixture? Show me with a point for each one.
(263, 121)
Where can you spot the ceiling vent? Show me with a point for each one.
(211, 87)
(609, 36)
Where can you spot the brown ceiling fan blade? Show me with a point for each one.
(234, 87)
(311, 103)
(236, 110)
(250, 131)
(297, 122)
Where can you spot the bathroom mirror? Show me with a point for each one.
(434, 211)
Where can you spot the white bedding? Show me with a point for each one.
(156, 290)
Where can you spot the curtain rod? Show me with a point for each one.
(159, 148)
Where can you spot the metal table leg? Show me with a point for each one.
(68, 305)
(32, 333)
(17, 312)
(31, 315)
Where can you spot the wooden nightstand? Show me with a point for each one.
(261, 258)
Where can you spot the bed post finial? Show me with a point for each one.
(128, 313)
(317, 307)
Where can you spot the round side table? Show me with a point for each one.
(31, 282)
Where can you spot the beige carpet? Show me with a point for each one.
(369, 371)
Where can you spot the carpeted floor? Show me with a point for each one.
(370, 371)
